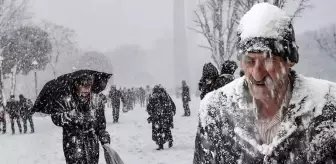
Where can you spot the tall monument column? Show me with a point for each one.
(180, 43)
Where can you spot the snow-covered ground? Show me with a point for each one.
(131, 138)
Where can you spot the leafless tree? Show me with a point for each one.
(217, 21)
(62, 40)
(303, 5)
(12, 13)
(326, 40)
(219, 35)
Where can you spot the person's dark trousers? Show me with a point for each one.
(115, 111)
(3, 121)
(18, 123)
(186, 109)
(30, 119)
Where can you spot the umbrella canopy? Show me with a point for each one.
(60, 87)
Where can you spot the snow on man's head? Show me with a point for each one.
(263, 20)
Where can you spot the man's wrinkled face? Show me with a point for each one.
(84, 90)
(266, 74)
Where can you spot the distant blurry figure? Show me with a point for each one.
(209, 76)
(2, 117)
(25, 106)
(148, 92)
(142, 96)
(115, 96)
(211, 81)
(228, 69)
(14, 114)
(133, 97)
(185, 98)
(128, 101)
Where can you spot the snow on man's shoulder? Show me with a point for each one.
(215, 101)
(319, 93)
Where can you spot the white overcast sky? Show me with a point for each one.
(104, 24)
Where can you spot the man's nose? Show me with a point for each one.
(259, 71)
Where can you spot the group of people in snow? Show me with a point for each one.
(211, 80)
(271, 115)
(129, 98)
(159, 106)
(17, 111)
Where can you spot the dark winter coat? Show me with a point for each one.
(209, 71)
(209, 75)
(2, 114)
(228, 135)
(25, 106)
(142, 94)
(81, 139)
(214, 84)
(222, 80)
(115, 96)
(185, 94)
(128, 100)
(103, 97)
(229, 67)
(161, 108)
(13, 109)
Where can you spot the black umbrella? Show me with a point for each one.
(60, 87)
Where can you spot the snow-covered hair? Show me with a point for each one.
(267, 28)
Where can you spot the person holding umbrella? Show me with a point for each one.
(74, 103)
(83, 122)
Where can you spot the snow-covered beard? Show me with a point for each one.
(274, 87)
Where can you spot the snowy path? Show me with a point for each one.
(131, 138)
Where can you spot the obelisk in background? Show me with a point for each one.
(180, 44)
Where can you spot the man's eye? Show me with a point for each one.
(271, 60)
(249, 61)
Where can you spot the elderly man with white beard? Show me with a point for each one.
(272, 114)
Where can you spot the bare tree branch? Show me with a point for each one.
(302, 6)
(326, 40)
(206, 47)
(12, 13)
(62, 40)
(217, 21)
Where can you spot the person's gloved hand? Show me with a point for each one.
(104, 138)
(106, 146)
(149, 120)
(74, 116)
